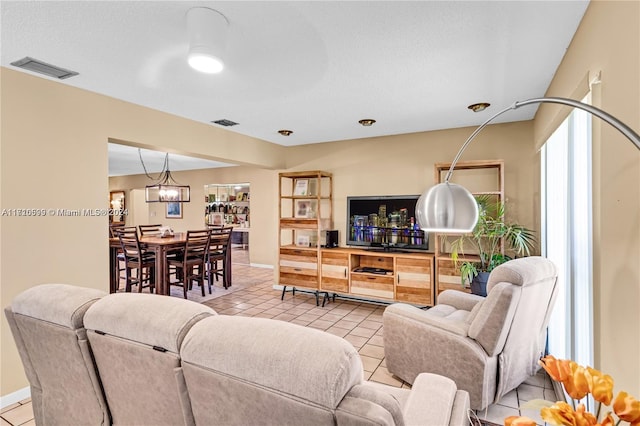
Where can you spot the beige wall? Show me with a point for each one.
(608, 40)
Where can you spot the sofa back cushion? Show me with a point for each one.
(47, 325)
(243, 371)
(136, 340)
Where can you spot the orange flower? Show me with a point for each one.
(627, 408)
(559, 413)
(583, 417)
(607, 421)
(600, 386)
(558, 369)
(576, 384)
(562, 414)
(519, 421)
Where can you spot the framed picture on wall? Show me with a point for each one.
(174, 211)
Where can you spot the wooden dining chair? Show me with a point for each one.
(190, 264)
(114, 227)
(137, 259)
(149, 229)
(218, 254)
(114, 232)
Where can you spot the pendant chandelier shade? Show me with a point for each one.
(166, 190)
(208, 30)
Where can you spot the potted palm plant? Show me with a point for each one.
(485, 242)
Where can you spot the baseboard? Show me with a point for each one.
(14, 397)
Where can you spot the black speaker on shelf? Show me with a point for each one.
(331, 238)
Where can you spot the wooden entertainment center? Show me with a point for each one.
(361, 273)
(385, 276)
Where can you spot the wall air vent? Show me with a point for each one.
(35, 65)
(225, 122)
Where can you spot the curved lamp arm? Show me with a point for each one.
(450, 208)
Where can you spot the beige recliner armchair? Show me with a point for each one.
(488, 346)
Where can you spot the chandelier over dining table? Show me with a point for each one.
(166, 189)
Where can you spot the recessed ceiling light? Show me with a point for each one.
(285, 132)
(479, 106)
(367, 122)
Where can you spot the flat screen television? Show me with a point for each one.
(385, 223)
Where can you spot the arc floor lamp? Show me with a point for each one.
(450, 208)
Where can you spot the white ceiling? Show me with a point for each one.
(314, 67)
(126, 160)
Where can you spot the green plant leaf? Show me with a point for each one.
(487, 240)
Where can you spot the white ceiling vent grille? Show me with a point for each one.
(225, 122)
(35, 65)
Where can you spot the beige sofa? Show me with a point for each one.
(93, 358)
(488, 346)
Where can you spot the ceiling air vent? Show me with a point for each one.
(225, 122)
(35, 65)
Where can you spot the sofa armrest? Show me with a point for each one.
(460, 413)
(402, 310)
(459, 299)
(432, 401)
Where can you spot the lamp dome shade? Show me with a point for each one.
(447, 208)
(207, 39)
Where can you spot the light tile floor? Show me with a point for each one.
(358, 322)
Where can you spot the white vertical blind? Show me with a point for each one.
(567, 235)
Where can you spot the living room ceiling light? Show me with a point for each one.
(207, 39)
(450, 208)
(285, 132)
(166, 189)
(367, 122)
(479, 106)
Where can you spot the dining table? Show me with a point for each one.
(161, 247)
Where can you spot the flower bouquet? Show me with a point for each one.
(578, 382)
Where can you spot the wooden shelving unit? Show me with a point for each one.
(305, 213)
(482, 177)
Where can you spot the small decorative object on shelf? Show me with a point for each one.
(303, 241)
(580, 382)
(302, 187)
